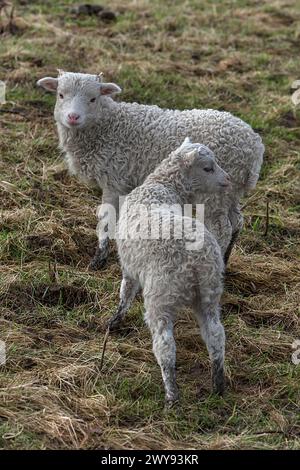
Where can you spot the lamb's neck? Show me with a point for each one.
(81, 155)
(176, 183)
(70, 140)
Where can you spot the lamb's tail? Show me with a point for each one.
(257, 151)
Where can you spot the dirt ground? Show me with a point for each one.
(240, 56)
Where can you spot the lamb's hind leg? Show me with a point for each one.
(208, 315)
(237, 220)
(164, 348)
(128, 291)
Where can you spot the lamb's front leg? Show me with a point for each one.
(107, 218)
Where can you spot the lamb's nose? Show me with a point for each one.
(226, 182)
(73, 117)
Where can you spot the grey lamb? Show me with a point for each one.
(116, 145)
(172, 271)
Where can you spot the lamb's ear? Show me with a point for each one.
(48, 83)
(109, 89)
(185, 143)
(189, 158)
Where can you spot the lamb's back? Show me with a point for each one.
(156, 132)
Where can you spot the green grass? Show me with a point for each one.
(239, 56)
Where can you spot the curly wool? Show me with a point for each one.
(126, 141)
(170, 274)
(167, 186)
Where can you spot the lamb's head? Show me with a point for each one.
(202, 171)
(79, 97)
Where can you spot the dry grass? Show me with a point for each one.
(240, 56)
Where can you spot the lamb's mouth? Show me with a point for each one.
(74, 125)
(225, 185)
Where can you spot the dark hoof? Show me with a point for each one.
(172, 399)
(171, 404)
(219, 386)
(113, 324)
(97, 263)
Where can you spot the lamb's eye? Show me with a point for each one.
(61, 96)
(93, 100)
(208, 170)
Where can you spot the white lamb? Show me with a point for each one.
(175, 271)
(116, 145)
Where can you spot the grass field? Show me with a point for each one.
(240, 56)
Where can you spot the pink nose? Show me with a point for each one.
(227, 182)
(73, 117)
